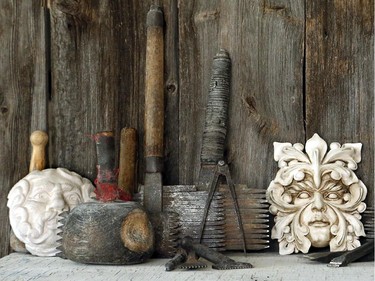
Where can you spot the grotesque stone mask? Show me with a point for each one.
(316, 196)
(36, 201)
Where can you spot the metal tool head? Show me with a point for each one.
(62, 217)
(192, 262)
(232, 265)
(166, 228)
(323, 257)
(219, 260)
(184, 260)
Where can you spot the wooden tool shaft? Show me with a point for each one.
(154, 111)
(127, 166)
(154, 90)
(38, 141)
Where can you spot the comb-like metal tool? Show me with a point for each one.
(60, 230)
(184, 260)
(220, 261)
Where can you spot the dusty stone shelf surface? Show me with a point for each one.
(267, 267)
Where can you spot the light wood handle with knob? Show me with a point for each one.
(38, 141)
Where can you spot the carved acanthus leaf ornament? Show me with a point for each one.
(316, 197)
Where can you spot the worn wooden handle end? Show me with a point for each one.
(128, 155)
(38, 141)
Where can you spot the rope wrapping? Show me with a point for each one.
(215, 131)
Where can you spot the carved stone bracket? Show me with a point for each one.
(316, 197)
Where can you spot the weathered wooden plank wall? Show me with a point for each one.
(266, 44)
(299, 67)
(340, 77)
(23, 83)
(92, 78)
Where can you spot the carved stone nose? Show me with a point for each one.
(318, 202)
(57, 201)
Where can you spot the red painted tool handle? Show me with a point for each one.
(154, 91)
(215, 131)
(106, 181)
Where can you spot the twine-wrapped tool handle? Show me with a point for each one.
(215, 131)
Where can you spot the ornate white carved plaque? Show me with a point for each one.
(36, 201)
(316, 197)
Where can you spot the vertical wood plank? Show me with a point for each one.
(340, 77)
(92, 78)
(265, 40)
(22, 84)
(171, 124)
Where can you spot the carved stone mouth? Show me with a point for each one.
(319, 223)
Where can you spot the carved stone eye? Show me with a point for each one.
(331, 196)
(304, 195)
(41, 197)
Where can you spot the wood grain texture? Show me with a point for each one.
(22, 81)
(298, 68)
(265, 40)
(340, 77)
(92, 78)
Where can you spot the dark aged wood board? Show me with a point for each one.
(97, 62)
(340, 77)
(265, 40)
(22, 85)
(92, 78)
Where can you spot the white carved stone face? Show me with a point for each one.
(36, 201)
(316, 197)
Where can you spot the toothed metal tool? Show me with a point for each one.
(213, 140)
(177, 260)
(220, 261)
(192, 262)
(184, 260)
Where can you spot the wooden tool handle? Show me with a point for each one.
(106, 180)
(154, 90)
(105, 151)
(215, 130)
(128, 153)
(38, 141)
